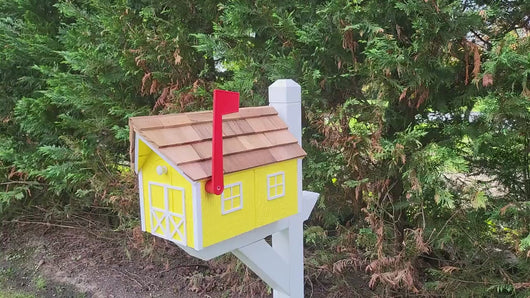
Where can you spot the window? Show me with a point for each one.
(275, 185)
(232, 198)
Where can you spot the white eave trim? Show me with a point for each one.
(174, 166)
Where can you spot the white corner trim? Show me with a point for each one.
(197, 215)
(276, 185)
(231, 198)
(141, 193)
(136, 151)
(309, 199)
(299, 184)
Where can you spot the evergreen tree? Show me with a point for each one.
(389, 90)
(108, 61)
(400, 97)
(27, 38)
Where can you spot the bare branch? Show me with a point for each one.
(486, 42)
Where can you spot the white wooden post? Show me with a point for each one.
(286, 97)
(282, 265)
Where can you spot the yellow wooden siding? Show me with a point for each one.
(143, 153)
(217, 226)
(272, 210)
(257, 210)
(177, 187)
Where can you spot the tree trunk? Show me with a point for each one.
(400, 117)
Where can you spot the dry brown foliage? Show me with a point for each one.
(241, 281)
(449, 269)
(348, 41)
(353, 261)
(398, 278)
(137, 237)
(172, 88)
(416, 98)
(521, 285)
(487, 80)
(471, 48)
(395, 263)
(13, 173)
(396, 271)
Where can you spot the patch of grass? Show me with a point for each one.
(14, 294)
(16, 274)
(40, 283)
(7, 275)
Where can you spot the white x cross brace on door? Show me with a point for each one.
(167, 222)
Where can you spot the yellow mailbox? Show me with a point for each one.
(172, 155)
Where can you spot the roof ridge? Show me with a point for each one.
(242, 114)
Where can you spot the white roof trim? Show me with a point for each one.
(174, 166)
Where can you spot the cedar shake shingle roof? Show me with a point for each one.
(252, 137)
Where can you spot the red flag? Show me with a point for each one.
(224, 102)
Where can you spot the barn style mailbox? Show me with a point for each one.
(220, 181)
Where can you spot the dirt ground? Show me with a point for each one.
(85, 258)
(43, 260)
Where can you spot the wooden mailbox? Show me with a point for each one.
(173, 160)
(256, 190)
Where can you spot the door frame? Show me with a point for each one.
(168, 216)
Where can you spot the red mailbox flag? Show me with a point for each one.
(224, 102)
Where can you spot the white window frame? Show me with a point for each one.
(230, 199)
(275, 185)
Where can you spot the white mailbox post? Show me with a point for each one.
(282, 265)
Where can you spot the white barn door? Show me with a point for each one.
(167, 212)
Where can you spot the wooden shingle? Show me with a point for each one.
(252, 137)
(181, 154)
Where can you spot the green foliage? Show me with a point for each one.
(315, 236)
(74, 73)
(502, 143)
(27, 38)
(525, 243)
(389, 88)
(416, 117)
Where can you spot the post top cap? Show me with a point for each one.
(285, 91)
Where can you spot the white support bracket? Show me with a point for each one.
(309, 199)
(281, 265)
(266, 263)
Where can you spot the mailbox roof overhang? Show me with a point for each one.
(252, 137)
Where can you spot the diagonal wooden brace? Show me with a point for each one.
(281, 265)
(261, 258)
